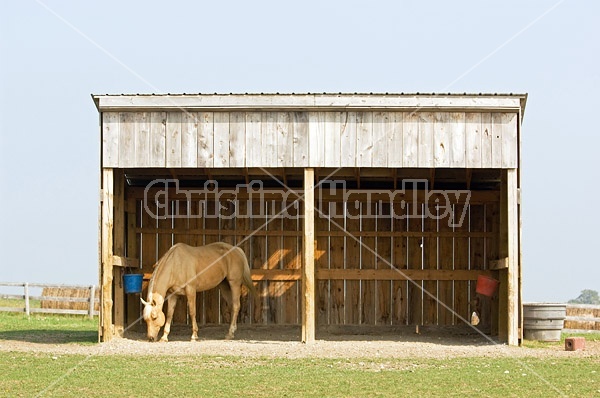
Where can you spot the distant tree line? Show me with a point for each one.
(587, 296)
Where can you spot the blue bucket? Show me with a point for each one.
(132, 283)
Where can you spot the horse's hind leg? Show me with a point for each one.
(191, 299)
(236, 290)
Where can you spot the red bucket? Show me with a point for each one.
(486, 285)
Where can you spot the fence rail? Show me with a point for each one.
(91, 300)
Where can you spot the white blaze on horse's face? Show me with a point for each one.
(153, 315)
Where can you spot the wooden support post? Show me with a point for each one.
(92, 301)
(508, 316)
(106, 270)
(26, 292)
(308, 270)
(119, 250)
(513, 257)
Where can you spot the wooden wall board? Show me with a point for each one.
(430, 261)
(173, 139)
(415, 262)
(461, 262)
(383, 259)
(399, 254)
(300, 139)
(353, 249)
(110, 139)
(421, 139)
(206, 139)
(126, 139)
(322, 260)
(368, 261)
(348, 138)
(158, 139)
(446, 262)
(237, 139)
(142, 139)
(364, 139)
(221, 139)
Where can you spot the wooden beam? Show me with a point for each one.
(106, 277)
(401, 275)
(308, 266)
(499, 264)
(125, 262)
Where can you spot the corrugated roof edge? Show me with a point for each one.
(523, 96)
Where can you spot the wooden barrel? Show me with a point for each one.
(543, 321)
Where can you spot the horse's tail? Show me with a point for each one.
(246, 276)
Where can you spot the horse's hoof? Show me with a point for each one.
(229, 336)
(163, 340)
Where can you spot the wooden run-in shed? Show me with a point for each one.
(353, 209)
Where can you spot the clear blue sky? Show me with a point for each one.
(54, 54)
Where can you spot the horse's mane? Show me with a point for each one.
(157, 268)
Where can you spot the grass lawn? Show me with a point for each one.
(52, 375)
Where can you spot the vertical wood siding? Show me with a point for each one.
(310, 139)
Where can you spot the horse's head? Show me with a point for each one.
(153, 314)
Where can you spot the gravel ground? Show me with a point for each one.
(284, 342)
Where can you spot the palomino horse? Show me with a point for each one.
(185, 270)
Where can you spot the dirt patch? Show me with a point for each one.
(284, 342)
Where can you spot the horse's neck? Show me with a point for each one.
(160, 282)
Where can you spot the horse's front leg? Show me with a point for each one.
(191, 299)
(172, 302)
(236, 291)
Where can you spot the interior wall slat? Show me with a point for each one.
(110, 139)
(399, 288)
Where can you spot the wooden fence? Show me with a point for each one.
(51, 294)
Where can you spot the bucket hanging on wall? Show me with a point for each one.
(132, 283)
(486, 285)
